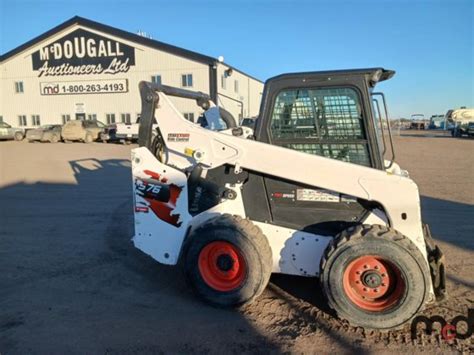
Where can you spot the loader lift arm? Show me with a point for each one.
(149, 97)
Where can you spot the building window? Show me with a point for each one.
(65, 118)
(187, 80)
(189, 116)
(125, 118)
(35, 120)
(22, 120)
(236, 86)
(223, 81)
(19, 87)
(110, 118)
(156, 79)
(92, 117)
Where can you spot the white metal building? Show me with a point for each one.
(82, 69)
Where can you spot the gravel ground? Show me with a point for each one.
(71, 282)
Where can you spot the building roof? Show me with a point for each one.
(77, 20)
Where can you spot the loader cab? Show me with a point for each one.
(334, 114)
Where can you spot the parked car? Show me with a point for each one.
(437, 122)
(46, 133)
(79, 130)
(9, 132)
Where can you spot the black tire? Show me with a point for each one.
(88, 138)
(408, 273)
(18, 136)
(252, 246)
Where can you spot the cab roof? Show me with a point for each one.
(373, 75)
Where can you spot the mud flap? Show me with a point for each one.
(160, 207)
(437, 264)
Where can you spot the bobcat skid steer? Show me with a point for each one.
(309, 193)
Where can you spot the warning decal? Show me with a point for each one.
(319, 195)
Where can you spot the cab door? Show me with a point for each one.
(322, 121)
(329, 121)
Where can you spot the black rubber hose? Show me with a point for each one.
(227, 117)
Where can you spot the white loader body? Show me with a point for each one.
(162, 223)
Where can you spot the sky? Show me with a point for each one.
(428, 43)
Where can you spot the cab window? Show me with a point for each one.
(322, 121)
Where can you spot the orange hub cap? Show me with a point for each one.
(222, 266)
(373, 283)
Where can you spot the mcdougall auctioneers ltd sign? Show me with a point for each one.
(83, 53)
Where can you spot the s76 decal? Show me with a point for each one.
(161, 196)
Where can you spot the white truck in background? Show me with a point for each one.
(462, 122)
(122, 132)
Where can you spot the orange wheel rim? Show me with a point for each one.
(373, 283)
(222, 266)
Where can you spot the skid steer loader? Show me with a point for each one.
(309, 193)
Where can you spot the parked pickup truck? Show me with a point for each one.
(46, 133)
(122, 132)
(79, 130)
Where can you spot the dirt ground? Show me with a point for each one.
(71, 281)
